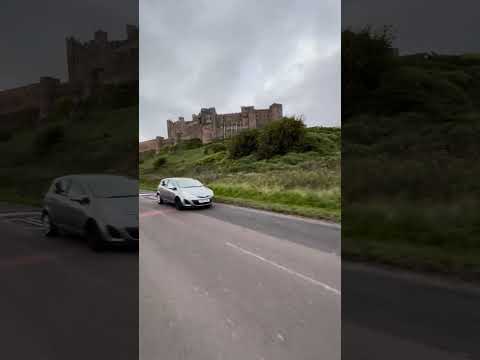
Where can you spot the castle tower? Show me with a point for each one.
(276, 111)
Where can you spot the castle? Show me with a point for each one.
(208, 125)
(90, 64)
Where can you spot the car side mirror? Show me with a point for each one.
(82, 200)
(173, 188)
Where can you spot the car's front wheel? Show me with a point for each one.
(48, 227)
(94, 237)
(178, 204)
(159, 199)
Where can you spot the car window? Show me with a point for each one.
(188, 183)
(76, 190)
(61, 186)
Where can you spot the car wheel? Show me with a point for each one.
(178, 204)
(159, 199)
(48, 227)
(94, 238)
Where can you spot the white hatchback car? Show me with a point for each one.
(184, 193)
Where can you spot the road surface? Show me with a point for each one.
(59, 300)
(232, 283)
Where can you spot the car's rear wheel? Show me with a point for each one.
(178, 203)
(94, 237)
(48, 227)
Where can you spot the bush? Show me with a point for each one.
(5, 136)
(244, 144)
(48, 137)
(159, 162)
(63, 107)
(214, 148)
(280, 137)
(187, 145)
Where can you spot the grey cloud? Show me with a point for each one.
(32, 33)
(420, 26)
(231, 53)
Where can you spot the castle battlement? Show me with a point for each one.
(92, 63)
(207, 125)
(102, 60)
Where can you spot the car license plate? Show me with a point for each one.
(204, 201)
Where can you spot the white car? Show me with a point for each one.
(184, 193)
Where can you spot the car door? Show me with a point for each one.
(172, 190)
(166, 192)
(162, 189)
(77, 210)
(58, 201)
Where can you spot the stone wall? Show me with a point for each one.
(154, 144)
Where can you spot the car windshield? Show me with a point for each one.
(113, 187)
(188, 183)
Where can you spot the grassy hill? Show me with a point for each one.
(90, 139)
(299, 182)
(410, 151)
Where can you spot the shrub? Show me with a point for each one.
(63, 107)
(214, 148)
(187, 145)
(159, 162)
(5, 136)
(245, 143)
(48, 137)
(280, 137)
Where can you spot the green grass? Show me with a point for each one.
(103, 141)
(410, 156)
(306, 184)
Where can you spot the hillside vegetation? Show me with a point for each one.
(299, 175)
(97, 136)
(411, 130)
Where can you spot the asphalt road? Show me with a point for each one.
(59, 300)
(232, 283)
(401, 315)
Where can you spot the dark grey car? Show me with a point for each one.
(103, 208)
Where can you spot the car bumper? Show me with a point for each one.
(127, 235)
(197, 202)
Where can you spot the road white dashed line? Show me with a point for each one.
(286, 269)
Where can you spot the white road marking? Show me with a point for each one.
(19, 213)
(30, 221)
(286, 269)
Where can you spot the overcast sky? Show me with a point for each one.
(32, 33)
(421, 25)
(231, 53)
